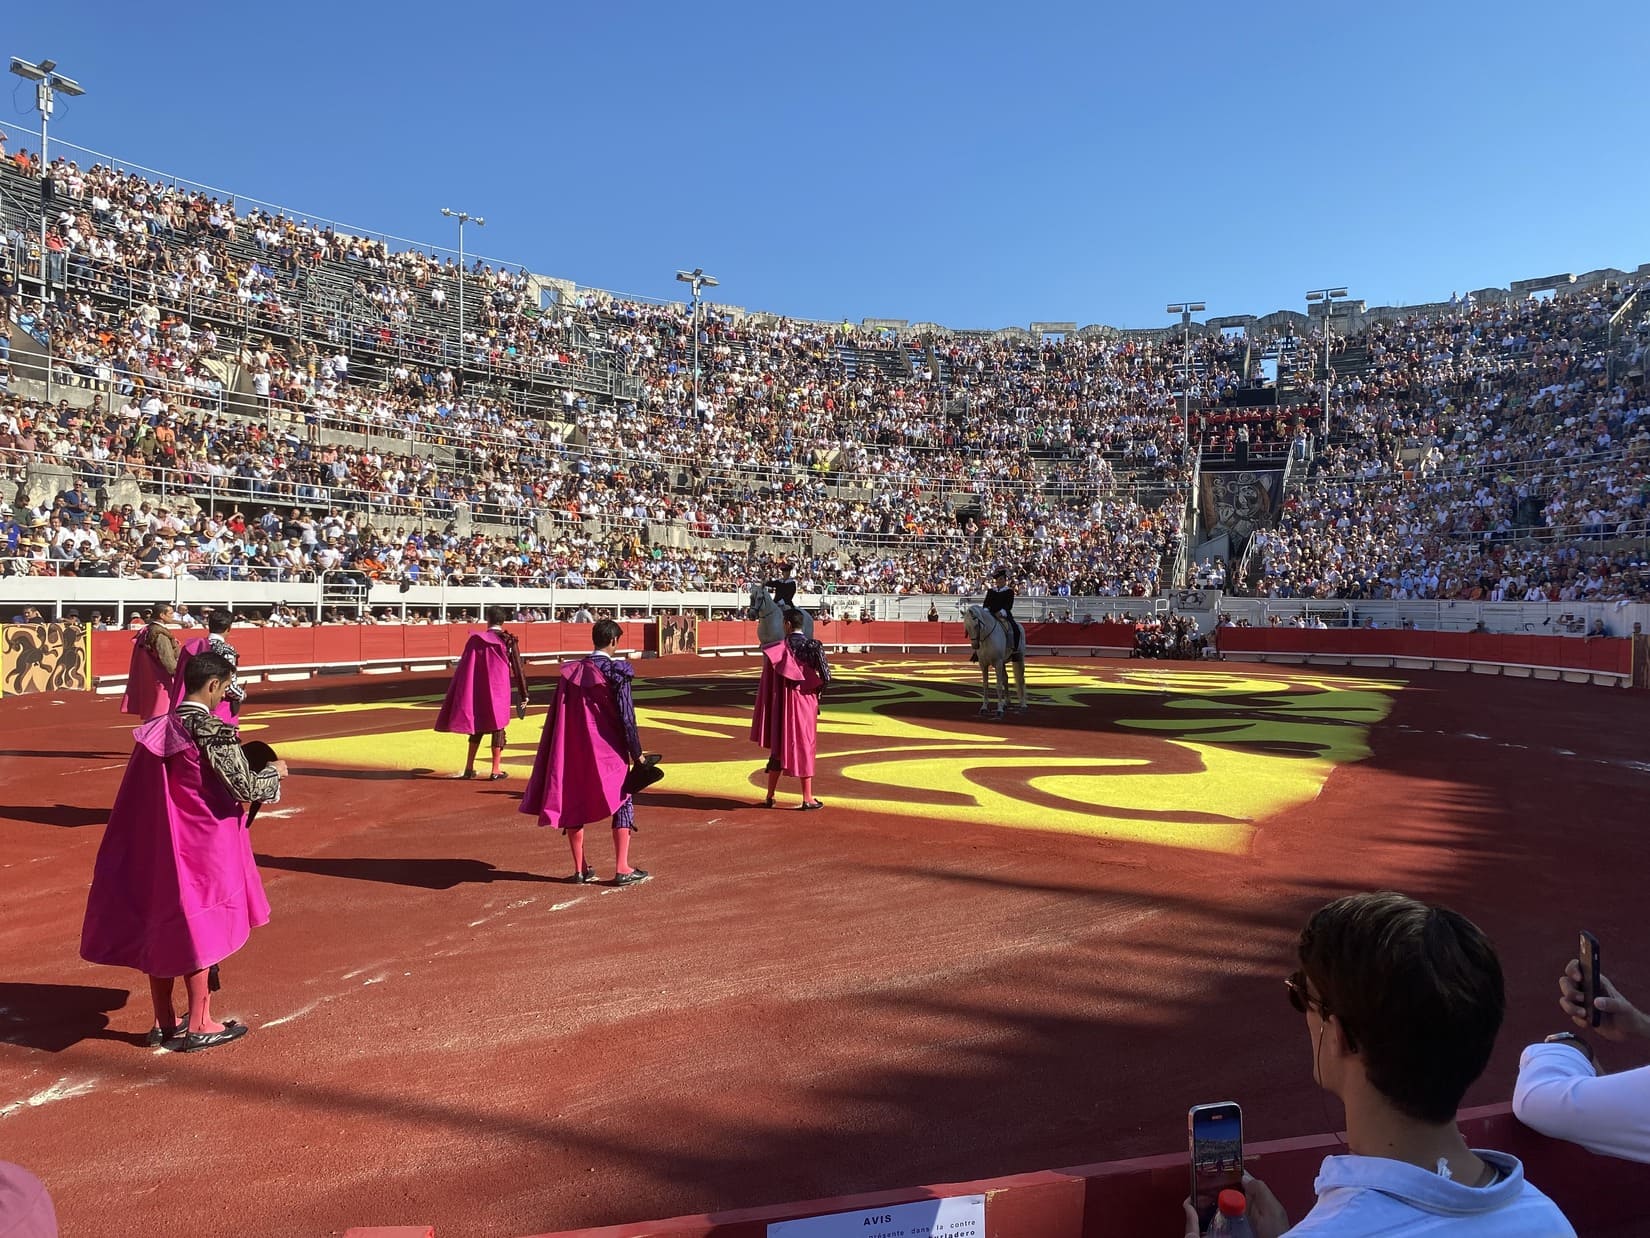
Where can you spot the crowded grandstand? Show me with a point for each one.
(217, 391)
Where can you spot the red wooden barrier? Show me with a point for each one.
(1605, 654)
(348, 645)
(1126, 1199)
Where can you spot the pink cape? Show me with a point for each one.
(175, 887)
(478, 698)
(199, 644)
(150, 691)
(578, 775)
(786, 720)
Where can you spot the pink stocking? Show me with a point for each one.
(773, 781)
(621, 851)
(808, 789)
(575, 841)
(200, 1003)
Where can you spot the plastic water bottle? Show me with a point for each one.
(1232, 1221)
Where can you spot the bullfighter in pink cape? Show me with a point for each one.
(487, 682)
(787, 708)
(175, 889)
(153, 684)
(589, 747)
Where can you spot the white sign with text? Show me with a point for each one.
(959, 1216)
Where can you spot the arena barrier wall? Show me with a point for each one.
(1599, 659)
(298, 652)
(1097, 640)
(1137, 1198)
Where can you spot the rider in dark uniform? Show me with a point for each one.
(999, 602)
(784, 592)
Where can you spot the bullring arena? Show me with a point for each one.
(1003, 947)
(1321, 600)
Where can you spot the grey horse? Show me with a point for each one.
(991, 635)
(770, 616)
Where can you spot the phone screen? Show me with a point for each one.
(1587, 953)
(1217, 1155)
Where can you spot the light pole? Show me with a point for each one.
(698, 279)
(1328, 296)
(47, 81)
(463, 217)
(1186, 309)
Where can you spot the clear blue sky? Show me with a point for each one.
(979, 165)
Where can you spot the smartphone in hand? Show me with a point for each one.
(1215, 1135)
(1587, 953)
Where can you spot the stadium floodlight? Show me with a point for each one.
(1328, 296)
(697, 280)
(1186, 309)
(47, 82)
(463, 217)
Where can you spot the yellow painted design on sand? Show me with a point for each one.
(1191, 758)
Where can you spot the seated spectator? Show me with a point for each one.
(1562, 1092)
(1402, 1004)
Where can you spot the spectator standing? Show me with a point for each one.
(175, 889)
(487, 681)
(1564, 1094)
(589, 746)
(1402, 1003)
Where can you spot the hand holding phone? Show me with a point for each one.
(1215, 1135)
(1587, 958)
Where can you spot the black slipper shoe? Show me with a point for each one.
(810, 806)
(195, 1042)
(498, 777)
(467, 775)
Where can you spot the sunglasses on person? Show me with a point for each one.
(1300, 996)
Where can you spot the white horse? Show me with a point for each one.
(770, 616)
(991, 635)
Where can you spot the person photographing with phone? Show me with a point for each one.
(1402, 1002)
(1562, 1090)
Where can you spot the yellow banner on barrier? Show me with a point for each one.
(45, 657)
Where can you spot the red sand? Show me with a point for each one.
(796, 1007)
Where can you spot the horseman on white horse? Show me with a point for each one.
(768, 603)
(997, 641)
(999, 604)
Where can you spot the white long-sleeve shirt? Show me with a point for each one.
(1559, 1094)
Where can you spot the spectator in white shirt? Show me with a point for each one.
(1402, 1004)
(1563, 1093)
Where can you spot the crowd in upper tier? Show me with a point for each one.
(293, 400)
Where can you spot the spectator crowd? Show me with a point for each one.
(293, 401)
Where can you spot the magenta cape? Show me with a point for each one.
(198, 644)
(150, 691)
(787, 711)
(478, 699)
(175, 888)
(578, 775)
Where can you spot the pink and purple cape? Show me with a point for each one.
(175, 887)
(579, 772)
(150, 691)
(786, 721)
(478, 698)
